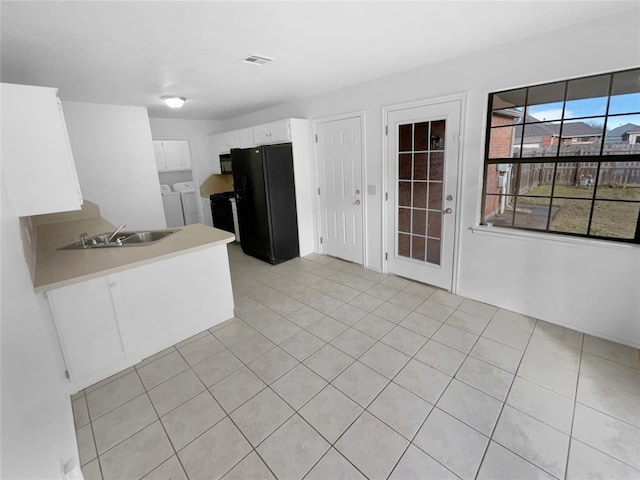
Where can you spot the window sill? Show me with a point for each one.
(554, 238)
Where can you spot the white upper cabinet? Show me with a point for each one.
(269, 133)
(172, 155)
(276, 132)
(246, 138)
(280, 132)
(231, 140)
(261, 135)
(37, 164)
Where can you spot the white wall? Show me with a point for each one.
(591, 288)
(37, 422)
(113, 151)
(197, 132)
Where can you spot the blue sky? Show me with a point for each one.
(591, 107)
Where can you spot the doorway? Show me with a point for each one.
(422, 156)
(339, 152)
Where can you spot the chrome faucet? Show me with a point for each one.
(116, 232)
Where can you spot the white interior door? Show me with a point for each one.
(422, 161)
(339, 150)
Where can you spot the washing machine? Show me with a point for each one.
(172, 204)
(190, 204)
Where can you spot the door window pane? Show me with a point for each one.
(405, 165)
(434, 228)
(421, 164)
(405, 137)
(418, 247)
(419, 194)
(437, 135)
(421, 136)
(419, 225)
(435, 196)
(404, 220)
(404, 245)
(404, 194)
(433, 251)
(436, 166)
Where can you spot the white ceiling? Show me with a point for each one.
(132, 53)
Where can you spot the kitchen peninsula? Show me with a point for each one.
(113, 307)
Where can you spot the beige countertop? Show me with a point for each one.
(216, 183)
(56, 268)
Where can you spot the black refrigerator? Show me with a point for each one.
(266, 202)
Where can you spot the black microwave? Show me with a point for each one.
(225, 163)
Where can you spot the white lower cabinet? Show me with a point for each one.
(111, 323)
(94, 326)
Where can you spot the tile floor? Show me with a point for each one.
(331, 371)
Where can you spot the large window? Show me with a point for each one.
(564, 157)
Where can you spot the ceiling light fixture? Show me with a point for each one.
(260, 60)
(174, 102)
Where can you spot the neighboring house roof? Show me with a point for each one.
(535, 131)
(580, 129)
(615, 134)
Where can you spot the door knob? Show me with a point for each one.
(449, 197)
(448, 210)
(357, 192)
(357, 202)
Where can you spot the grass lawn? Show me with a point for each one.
(610, 218)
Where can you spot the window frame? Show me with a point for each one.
(557, 159)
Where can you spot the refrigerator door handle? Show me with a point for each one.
(239, 193)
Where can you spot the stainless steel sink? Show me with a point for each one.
(146, 237)
(122, 239)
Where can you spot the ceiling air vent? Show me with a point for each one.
(257, 59)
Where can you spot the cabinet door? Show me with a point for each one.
(217, 146)
(233, 139)
(158, 151)
(177, 154)
(279, 132)
(94, 327)
(172, 154)
(37, 162)
(261, 135)
(246, 138)
(185, 155)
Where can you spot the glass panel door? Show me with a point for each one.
(420, 159)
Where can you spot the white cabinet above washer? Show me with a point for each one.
(172, 155)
